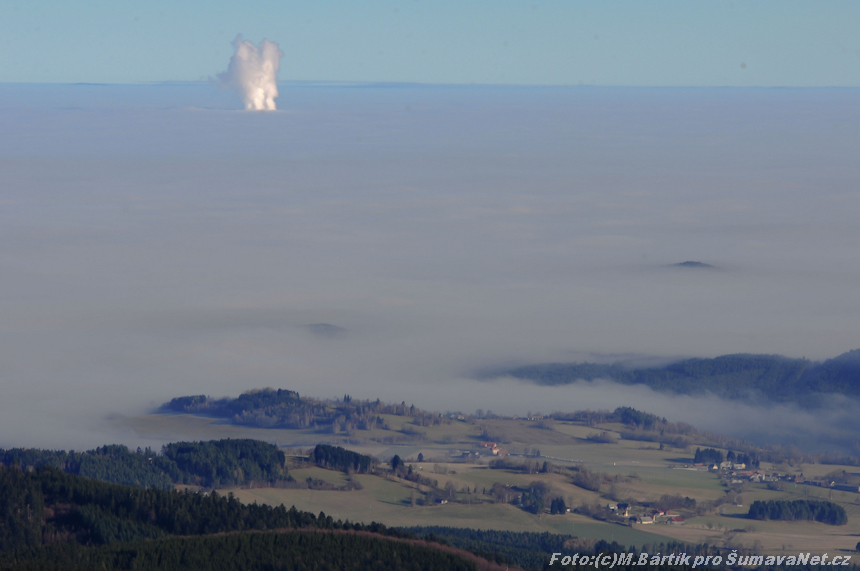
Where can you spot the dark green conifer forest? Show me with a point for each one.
(209, 464)
(54, 520)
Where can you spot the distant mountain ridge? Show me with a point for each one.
(771, 377)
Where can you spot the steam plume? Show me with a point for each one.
(253, 72)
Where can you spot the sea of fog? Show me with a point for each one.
(389, 240)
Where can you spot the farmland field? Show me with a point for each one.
(634, 471)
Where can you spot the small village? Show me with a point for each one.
(737, 474)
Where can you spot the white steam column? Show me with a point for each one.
(253, 72)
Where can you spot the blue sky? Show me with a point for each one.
(666, 43)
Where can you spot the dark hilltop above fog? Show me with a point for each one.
(693, 264)
(771, 378)
(326, 330)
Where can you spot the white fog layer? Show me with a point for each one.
(389, 241)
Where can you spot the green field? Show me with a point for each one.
(639, 472)
(388, 502)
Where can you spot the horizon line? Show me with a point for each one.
(407, 84)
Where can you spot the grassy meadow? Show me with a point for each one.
(642, 473)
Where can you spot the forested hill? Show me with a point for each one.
(528, 550)
(281, 408)
(771, 377)
(293, 550)
(53, 520)
(209, 464)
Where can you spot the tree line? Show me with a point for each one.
(814, 510)
(339, 458)
(209, 464)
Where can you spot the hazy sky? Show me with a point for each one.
(665, 43)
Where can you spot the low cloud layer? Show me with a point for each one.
(387, 242)
(253, 73)
(831, 427)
